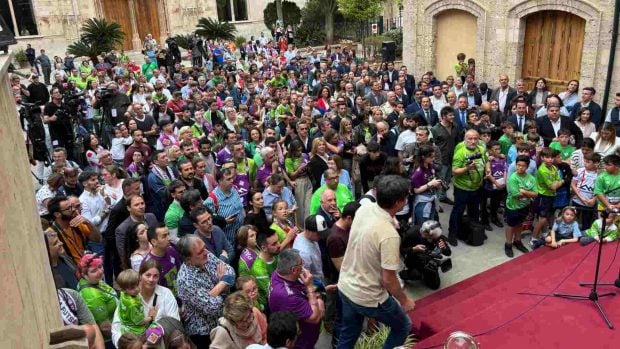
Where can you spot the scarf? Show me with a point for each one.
(167, 177)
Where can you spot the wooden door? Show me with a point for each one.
(147, 19)
(552, 48)
(118, 11)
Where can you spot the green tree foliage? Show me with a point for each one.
(212, 29)
(317, 22)
(290, 11)
(360, 10)
(98, 35)
(182, 40)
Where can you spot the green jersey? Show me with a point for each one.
(545, 177)
(504, 143)
(565, 151)
(515, 200)
(131, 314)
(343, 197)
(472, 179)
(173, 215)
(101, 299)
(251, 264)
(608, 185)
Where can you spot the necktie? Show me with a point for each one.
(520, 123)
(428, 119)
(463, 118)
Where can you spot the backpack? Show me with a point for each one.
(471, 232)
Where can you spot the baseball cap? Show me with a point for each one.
(316, 223)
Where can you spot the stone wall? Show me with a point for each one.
(29, 306)
(59, 21)
(500, 32)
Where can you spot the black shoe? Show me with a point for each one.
(488, 227)
(508, 250)
(447, 201)
(440, 209)
(519, 246)
(453, 241)
(497, 222)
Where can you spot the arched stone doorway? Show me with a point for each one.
(455, 33)
(552, 48)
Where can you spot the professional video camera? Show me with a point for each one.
(470, 158)
(31, 113)
(424, 263)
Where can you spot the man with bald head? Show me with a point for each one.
(330, 197)
(385, 139)
(504, 94)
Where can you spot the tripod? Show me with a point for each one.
(594, 296)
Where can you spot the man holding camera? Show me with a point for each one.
(423, 248)
(468, 170)
(115, 105)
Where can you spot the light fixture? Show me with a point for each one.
(460, 340)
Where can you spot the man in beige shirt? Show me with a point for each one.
(368, 286)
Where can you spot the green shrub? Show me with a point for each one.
(395, 35)
(376, 339)
(290, 11)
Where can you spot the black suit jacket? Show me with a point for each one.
(545, 129)
(515, 122)
(405, 99)
(409, 84)
(596, 114)
(394, 75)
(413, 107)
(434, 117)
(489, 93)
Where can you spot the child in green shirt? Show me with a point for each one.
(593, 234)
(504, 141)
(521, 191)
(607, 186)
(461, 67)
(130, 308)
(563, 145)
(548, 181)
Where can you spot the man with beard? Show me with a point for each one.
(115, 105)
(137, 214)
(118, 214)
(71, 187)
(445, 135)
(468, 177)
(246, 171)
(206, 154)
(187, 176)
(225, 154)
(262, 264)
(175, 212)
(137, 145)
(73, 230)
(212, 235)
(407, 136)
(188, 149)
(159, 178)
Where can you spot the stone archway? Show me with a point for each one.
(517, 21)
(430, 22)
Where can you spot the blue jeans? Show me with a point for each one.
(464, 199)
(388, 313)
(418, 213)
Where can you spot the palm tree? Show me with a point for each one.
(98, 35)
(212, 29)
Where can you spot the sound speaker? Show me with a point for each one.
(388, 50)
(6, 36)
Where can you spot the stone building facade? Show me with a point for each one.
(54, 24)
(502, 37)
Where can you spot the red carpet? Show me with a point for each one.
(488, 306)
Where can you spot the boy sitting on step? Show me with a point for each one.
(593, 234)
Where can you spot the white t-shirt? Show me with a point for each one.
(404, 138)
(585, 181)
(311, 255)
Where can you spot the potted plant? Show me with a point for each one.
(20, 58)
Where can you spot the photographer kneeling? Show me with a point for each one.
(423, 248)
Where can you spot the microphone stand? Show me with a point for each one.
(594, 296)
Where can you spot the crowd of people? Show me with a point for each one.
(252, 200)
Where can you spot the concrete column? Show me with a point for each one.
(409, 35)
(136, 42)
(29, 306)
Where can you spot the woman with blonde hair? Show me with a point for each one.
(606, 142)
(241, 325)
(318, 162)
(187, 134)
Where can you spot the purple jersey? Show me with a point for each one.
(498, 170)
(290, 296)
(170, 265)
(223, 156)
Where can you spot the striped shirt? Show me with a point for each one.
(228, 205)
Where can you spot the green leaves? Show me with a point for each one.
(98, 35)
(360, 10)
(212, 29)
